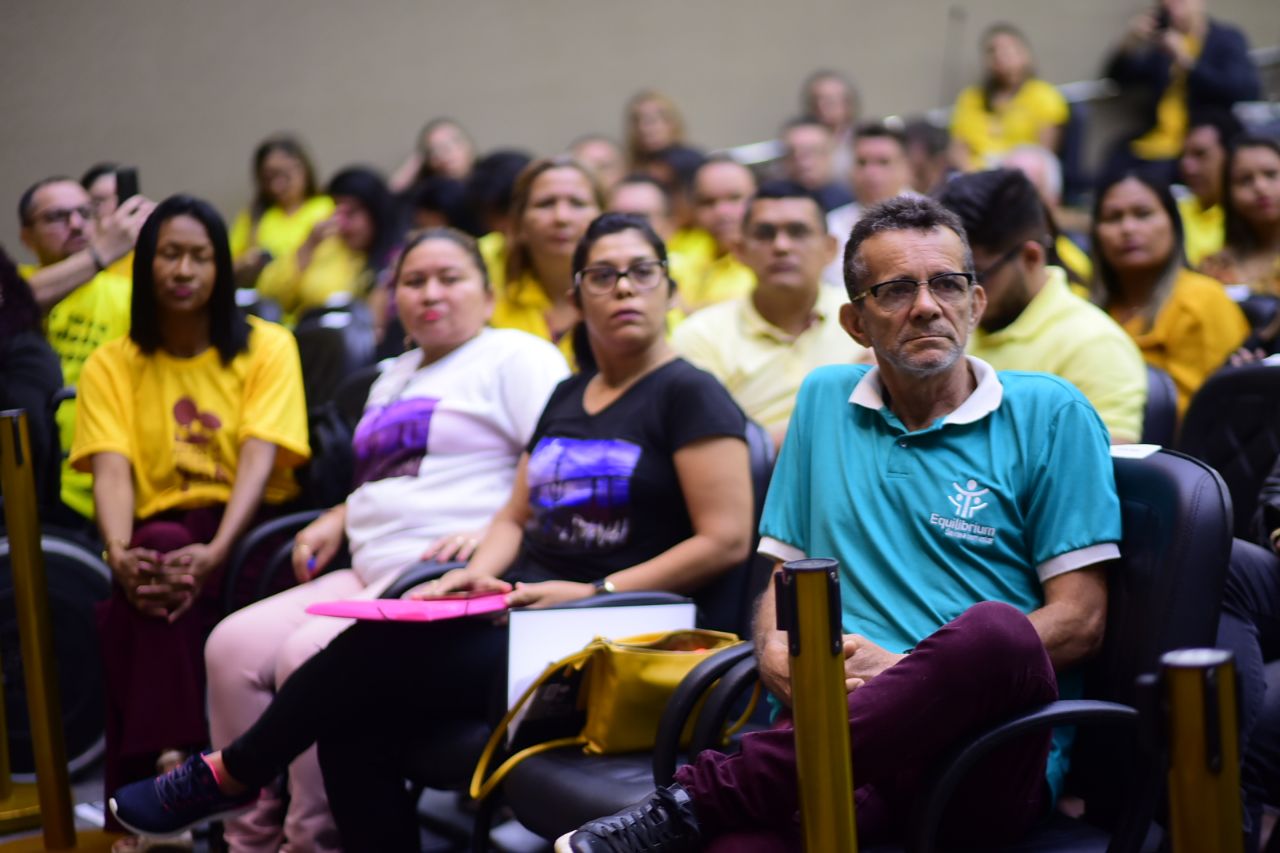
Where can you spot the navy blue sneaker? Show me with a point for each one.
(663, 823)
(173, 802)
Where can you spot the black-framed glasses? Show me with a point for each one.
(62, 215)
(948, 288)
(1011, 253)
(643, 275)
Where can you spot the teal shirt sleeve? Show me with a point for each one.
(1072, 502)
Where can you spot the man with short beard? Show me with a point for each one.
(1033, 321)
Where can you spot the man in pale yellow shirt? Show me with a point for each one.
(84, 304)
(761, 346)
(1200, 167)
(1033, 321)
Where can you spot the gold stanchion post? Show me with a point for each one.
(1205, 813)
(808, 606)
(31, 599)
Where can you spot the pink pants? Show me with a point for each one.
(248, 656)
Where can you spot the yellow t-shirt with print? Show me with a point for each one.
(278, 232)
(94, 313)
(334, 269)
(181, 421)
(1019, 121)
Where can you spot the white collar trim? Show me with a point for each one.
(985, 399)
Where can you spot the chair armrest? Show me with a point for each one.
(419, 573)
(666, 746)
(720, 701)
(932, 801)
(291, 523)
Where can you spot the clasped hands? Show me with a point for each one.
(163, 585)
(863, 661)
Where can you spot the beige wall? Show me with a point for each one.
(185, 89)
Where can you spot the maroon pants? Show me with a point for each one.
(974, 671)
(153, 669)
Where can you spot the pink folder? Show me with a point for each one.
(406, 610)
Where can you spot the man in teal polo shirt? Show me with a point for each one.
(972, 513)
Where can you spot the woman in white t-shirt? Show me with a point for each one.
(436, 453)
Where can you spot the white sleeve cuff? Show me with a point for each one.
(1072, 560)
(778, 550)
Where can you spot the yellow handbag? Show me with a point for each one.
(622, 686)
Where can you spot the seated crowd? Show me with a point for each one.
(926, 321)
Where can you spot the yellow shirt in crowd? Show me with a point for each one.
(1019, 121)
(1203, 229)
(1193, 334)
(1062, 334)
(94, 313)
(278, 232)
(334, 269)
(181, 421)
(1164, 140)
(761, 365)
(523, 305)
(1074, 259)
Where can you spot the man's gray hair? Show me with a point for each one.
(901, 213)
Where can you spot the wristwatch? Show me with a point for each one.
(604, 586)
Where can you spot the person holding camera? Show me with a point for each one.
(1184, 61)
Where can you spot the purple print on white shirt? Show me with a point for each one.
(391, 440)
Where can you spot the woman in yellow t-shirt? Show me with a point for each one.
(346, 254)
(1251, 217)
(189, 425)
(1012, 107)
(1183, 322)
(286, 206)
(554, 201)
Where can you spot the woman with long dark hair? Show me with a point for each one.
(1251, 222)
(1183, 321)
(667, 434)
(190, 425)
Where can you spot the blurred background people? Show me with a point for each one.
(1183, 321)
(831, 98)
(287, 205)
(881, 171)
(1011, 107)
(808, 159)
(603, 156)
(444, 149)
(1200, 168)
(654, 126)
(1182, 61)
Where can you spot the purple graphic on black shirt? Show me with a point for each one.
(580, 491)
(391, 440)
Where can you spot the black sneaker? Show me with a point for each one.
(664, 823)
(173, 802)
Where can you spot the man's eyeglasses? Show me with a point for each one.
(644, 275)
(1010, 254)
(62, 215)
(948, 288)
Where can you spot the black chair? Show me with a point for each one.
(350, 395)
(1163, 594)
(1233, 424)
(255, 304)
(1160, 414)
(78, 579)
(333, 343)
(274, 537)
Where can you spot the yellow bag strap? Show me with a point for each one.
(481, 787)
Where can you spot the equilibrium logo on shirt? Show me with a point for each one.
(580, 490)
(966, 502)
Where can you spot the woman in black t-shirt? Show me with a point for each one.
(636, 478)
